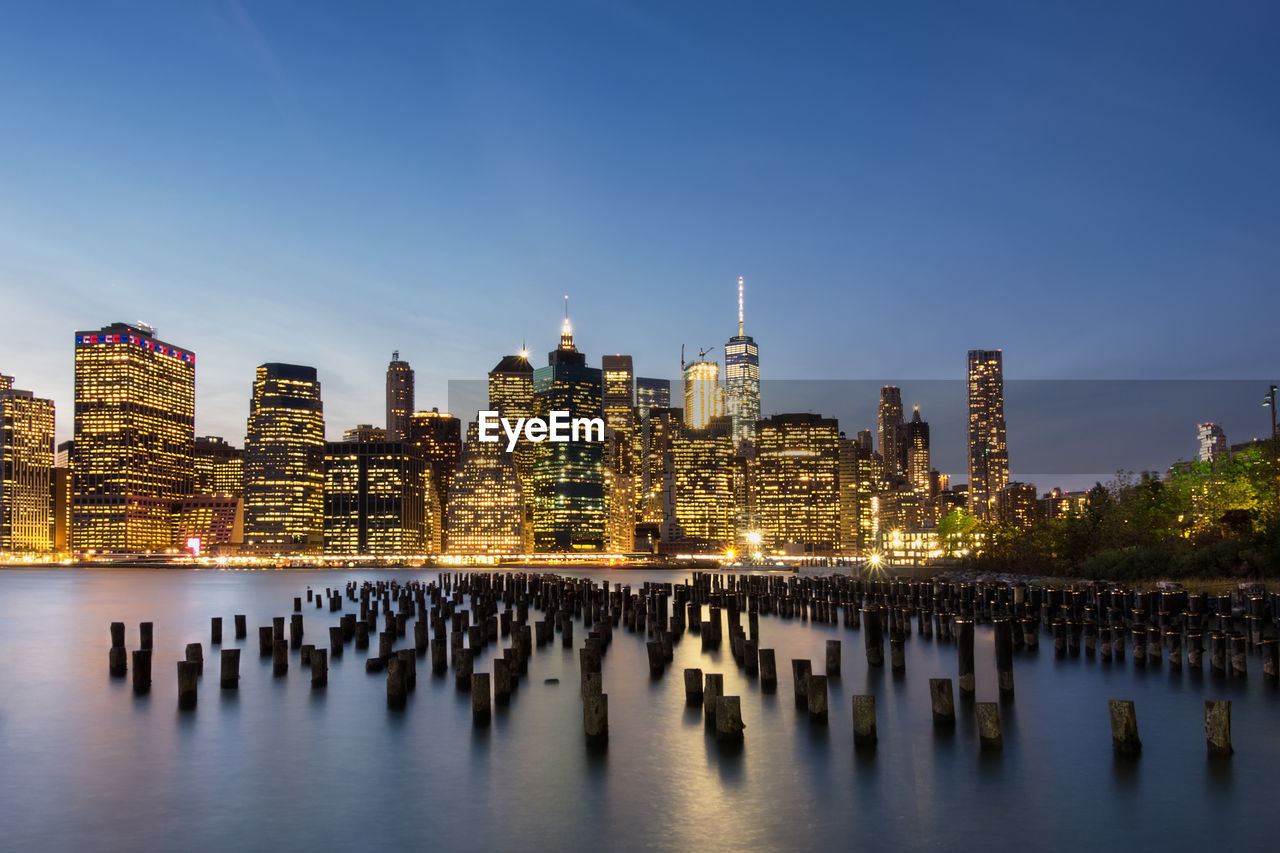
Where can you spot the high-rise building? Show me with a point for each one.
(63, 496)
(704, 483)
(569, 511)
(438, 437)
(284, 461)
(892, 433)
(988, 450)
(703, 396)
(365, 433)
(860, 470)
(651, 394)
(865, 440)
(1213, 442)
(511, 387)
(620, 475)
(134, 437)
(219, 467)
(742, 380)
(619, 392)
(399, 398)
(797, 481)
(26, 470)
(486, 504)
(917, 451)
(1017, 504)
(654, 441)
(375, 498)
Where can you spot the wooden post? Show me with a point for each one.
(864, 722)
(397, 682)
(692, 686)
(1004, 656)
(145, 635)
(335, 641)
(265, 641)
(439, 656)
(230, 676)
(800, 672)
(242, 629)
(1217, 653)
(195, 654)
(502, 680)
(729, 723)
(215, 631)
(595, 718)
(1124, 727)
(188, 679)
(1217, 727)
(657, 661)
(712, 691)
(142, 671)
(989, 725)
(319, 667)
(768, 671)
(943, 701)
(873, 638)
(463, 660)
(964, 647)
(897, 652)
(279, 658)
(1239, 656)
(816, 695)
(833, 657)
(1270, 650)
(481, 701)
(118, 657)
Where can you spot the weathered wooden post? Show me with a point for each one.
(800, 672)
(481, 701)
(1059, 639)
(242, 628)
(768, 671)
(1270, 661)
(304, 654)
(1173, 639)
(1239, 656)
(502, 668)
(397, 682)
(943, 700)
(295, 631)
(265, 641)
(279, 658)
(964, 648)
(1217, 653)
(146, 634)
(188, 681)
(873, 638)
(1004, 656)
(712, 691)
(833, 657)
(463, 660)
(319, 667)
(335, 641)
(816, 696)
(195, 654)
(657, 661)
(1217, 727)
(439, 656)
(692, 686)
(1195, 650)
(595, 718)
(1124, 727)
(989, 725)
(142, 671)
(864, 722)
(230, 676)
(118, 657)
(277, 628)
(215, 631)
(897, 652)
(729, 723)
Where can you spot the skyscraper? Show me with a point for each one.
(797, 481)
(917, 450)
(859, 488)
(486, 503)
(26, 470)
(399, 397)
(704, 483)
(438, 437)
(651, 393)
(890, 426)
(703, 396)
(569, 512)
(655, 484)
(619, 392)
(284, 461)
(511, 387)
(219, 467)
(1213, 442)
(742, 380)
(986, 441)
(375, 498)
(134, 433)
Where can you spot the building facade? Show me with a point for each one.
(797, 482)
(400, 392)
(650, 394)
(619, 392)
(916, 445)
(219, 467)
(705, 476)
(988, 451)
(703, 396)
(134, 438)
(375, 499)
(486, 504)
(1213, 442)
(892, 433)
(742, 380)
(27, 481)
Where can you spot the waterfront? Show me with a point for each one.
(86, 764)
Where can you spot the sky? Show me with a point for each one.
(1092, 187)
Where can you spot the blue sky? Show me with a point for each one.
(1093, 187)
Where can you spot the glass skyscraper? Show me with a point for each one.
(26, 470)
(988, 451)
(742, 380)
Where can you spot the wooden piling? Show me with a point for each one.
(964, 649)
(279, 658)
(873, 637)
(1124, 727)
(502, 669)
(1217, 727)
(800, 672)
(768, 671)
(142, 671)
(897, 653)
(146, 634)
(335, 641)
(242, 629)
(1004, 656)
(230, 673)
(989, 735)
(864, 722)
(833, 657)
(397, 682)
(1239, 656)
(595, 718)
(188, 681)
(481, 701)
(215, 631)
(711, 691)
(463, 660)
(816, 697)
(319, 667)
(195, 654)
(266, 641)
(692, 686)
(729, 723)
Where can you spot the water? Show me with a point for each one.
(86, 765)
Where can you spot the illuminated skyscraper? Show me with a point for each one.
(988, 450)
(797, 481)
(917, 452)
(399, 398)
(860, 469)
(703, 396)
(486, 503)
(892, 434)
(511, 387)
(375, 498)
(366, 434)
(742, 380)
(26, 470)
(619, 392)
(219, 467)
(1213, 442)
(284, 461)
(438, 436)
(569, 512)
(704, 483)
(134, 435)
(655, 441)
(651, 393)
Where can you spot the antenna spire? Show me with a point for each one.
(740, 333)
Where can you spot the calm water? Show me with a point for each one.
(85, 764)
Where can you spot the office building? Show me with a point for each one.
(219, 467)
(619, 392)
(486, 505)
(438, 437)
(209, 524)
(399, 398)
(916, 446)
(705, 476)
(988, 451)
(892, 433)
(797, 482)
(703, 396)
(742, 380)
(375, 499)
(651, 394)
(1213, 442)
(27, 481)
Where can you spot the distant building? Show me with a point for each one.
(365, 434)
(651, 394)
(703, 462)
(375, 499)
(987, 444)
(134, 438)
(655, 442)
(742, 380)
(1016, 504)
(916, 448)
(1060, 504)
(703, 396)
(797, 481)
(619, 390)
(211, 523)
(1213, 442)
(892, 433)
(218, 467)
(860, 474)
(284, 454)
(26, 470)
(486, 506)
(400, 393)
(438, 437)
